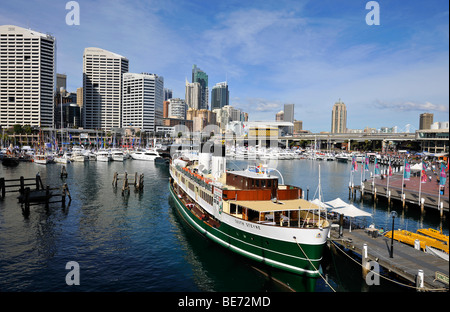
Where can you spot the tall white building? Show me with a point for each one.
(193, 95)
(142, 98)
(27, 74)
(102, 83)
(177, 108)
(339, 118)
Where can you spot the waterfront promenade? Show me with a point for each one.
(429, 191)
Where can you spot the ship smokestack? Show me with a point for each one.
(218, 161)
(204, 157)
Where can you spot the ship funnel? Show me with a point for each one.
(218, 166)
(204, 157)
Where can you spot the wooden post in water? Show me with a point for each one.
(26, 194)
(422, 204)
(66, 188)
(22, 185)
(2, 187)
(115, 178)
(125, 183)
(63, 172)
(47, 196)
(403, 200)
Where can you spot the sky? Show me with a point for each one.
(310, 53)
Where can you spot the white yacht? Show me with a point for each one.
(103, 155)
(117, 155)
(63, 158)
(145, 155)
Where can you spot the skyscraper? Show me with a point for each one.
(27, 72)
(339, 118)
(426, 120)
(142, 101)
(193, 95)
(177, 108)
(201, 77)
(102, 84)
(289, 112)
(220, 95)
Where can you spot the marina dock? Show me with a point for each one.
(425, 196)
(420, 270)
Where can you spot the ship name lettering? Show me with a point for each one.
(253, 226)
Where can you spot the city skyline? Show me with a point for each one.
(303, 52)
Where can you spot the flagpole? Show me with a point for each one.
(388, 174)
(420, 182)
(403, 175)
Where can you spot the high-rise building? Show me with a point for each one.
(279, 116)
(61, 82)
(27, 72)
(201, 77)
(177, 108)
(102, 85)
(193, 95)
(298, 126)
(168, 93)
(220, 95)
(339, 118)
(142, 101)
(80, 97)
(288, 112)
(426, 120)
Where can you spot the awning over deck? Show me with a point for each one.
(269, 206)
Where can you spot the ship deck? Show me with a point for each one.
(284, 205)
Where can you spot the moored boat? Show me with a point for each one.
(145, 155)
(249, 212)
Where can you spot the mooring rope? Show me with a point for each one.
(391, 280)
(313, 265)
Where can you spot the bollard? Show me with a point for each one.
(420, 280)
(365, 263)
(417, 244)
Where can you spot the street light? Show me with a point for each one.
(393, 215)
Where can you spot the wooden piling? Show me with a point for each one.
(115, 178)
(2, 187)
(125, 183)
(63, 172)
(26, 194)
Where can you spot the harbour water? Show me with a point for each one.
(137, 242)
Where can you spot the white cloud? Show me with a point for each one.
(411, 106)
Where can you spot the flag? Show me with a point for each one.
(443, 178)
(354, 164)
(390, 168)
(423, 173)
(407, 171)
(366, 165)
(377, 168)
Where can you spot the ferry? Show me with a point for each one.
(249, 212)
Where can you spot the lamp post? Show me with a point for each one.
(393, 215)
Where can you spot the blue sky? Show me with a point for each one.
(310, 53)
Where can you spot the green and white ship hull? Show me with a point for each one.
(291, 247)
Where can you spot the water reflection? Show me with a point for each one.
(137, 241)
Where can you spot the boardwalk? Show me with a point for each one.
(428, 190)
(406, 261)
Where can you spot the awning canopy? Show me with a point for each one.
(336, 203)
(351, 211)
